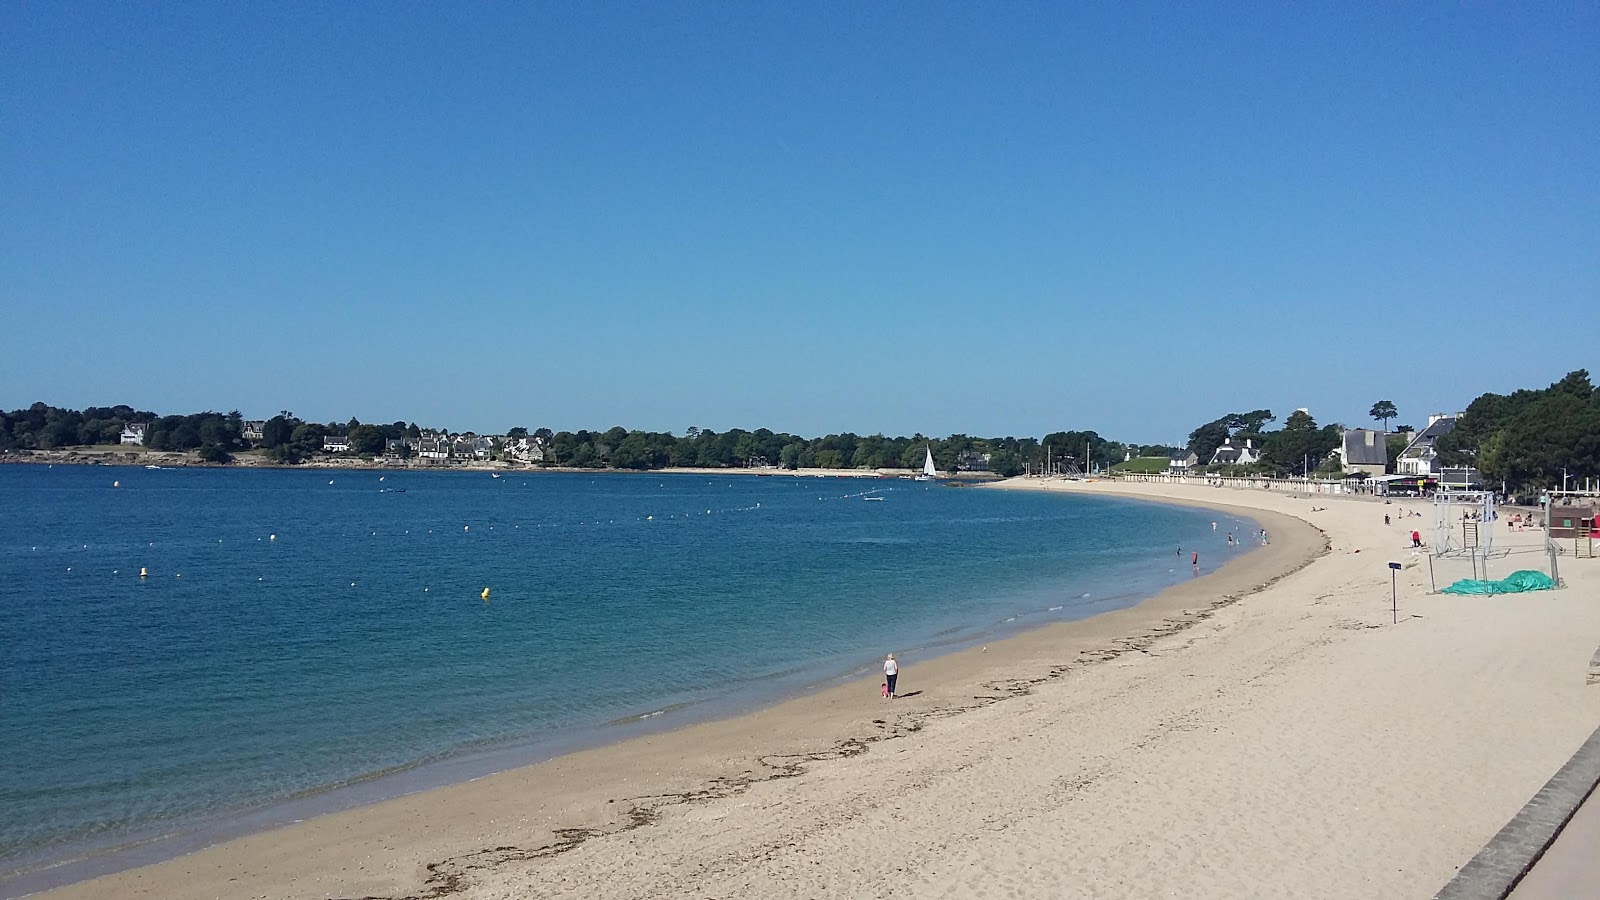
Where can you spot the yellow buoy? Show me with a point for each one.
(486, 595)
(143, 573)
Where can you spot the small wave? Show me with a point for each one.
(1054, 608)
(641, 717)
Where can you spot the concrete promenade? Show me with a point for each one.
(1571, 867)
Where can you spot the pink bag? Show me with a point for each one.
(886, 689)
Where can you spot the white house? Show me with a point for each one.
(253, 430)
(1236, 452)
(335, 444)
(1420, 457)
(525, 449)
(133, 434)
(432, 448)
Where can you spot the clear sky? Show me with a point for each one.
(991, 218)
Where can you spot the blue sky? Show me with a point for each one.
(986, 218)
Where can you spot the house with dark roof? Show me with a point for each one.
(132, 434)
(1420, 457)
(1363, 450)
(336, 444)
(253, 429)
(1236, 452)
(1179, 462)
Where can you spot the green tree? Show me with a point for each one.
(367, 440)
(1395, 444)
(1204, 441)
(1383, 411)
(278, 431)
(1005, 463)
(1300, 446)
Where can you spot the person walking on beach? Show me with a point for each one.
(891, 672)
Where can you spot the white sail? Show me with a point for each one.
(928, 471)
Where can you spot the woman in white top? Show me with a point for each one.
(891, 671)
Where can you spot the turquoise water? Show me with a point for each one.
(301, 630)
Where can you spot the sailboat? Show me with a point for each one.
(929, 473)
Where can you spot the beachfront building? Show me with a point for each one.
(972, 461)
(1236, 452)
(1180, 462)
(253, 430)
(523, 449)
(432, 448)
(1420, 457)
(482, 447)
(1363, 450)
(335, 444)
(461, 447)
(132, 434)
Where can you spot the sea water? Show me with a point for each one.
(296, 632)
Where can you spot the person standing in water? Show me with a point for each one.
(891, 672)
(1194, 559)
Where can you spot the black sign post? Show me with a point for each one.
(1394, 595)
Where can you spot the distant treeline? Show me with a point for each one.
(289, 439)
(1527, 439)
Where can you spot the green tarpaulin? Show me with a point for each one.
(1515, 583)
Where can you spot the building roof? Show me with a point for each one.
(1436, 429)
(1365, 447)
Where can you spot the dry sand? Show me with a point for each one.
(1216, 741)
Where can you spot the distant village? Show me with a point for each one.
(428, 445)
(1361, 453)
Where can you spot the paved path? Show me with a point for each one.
(1571, 867)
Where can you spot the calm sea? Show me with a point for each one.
(299, 632)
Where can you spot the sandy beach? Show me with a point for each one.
(1261, 731)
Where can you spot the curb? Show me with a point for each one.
(1495, 871)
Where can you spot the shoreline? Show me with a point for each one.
(719, 757)
(140, 458)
